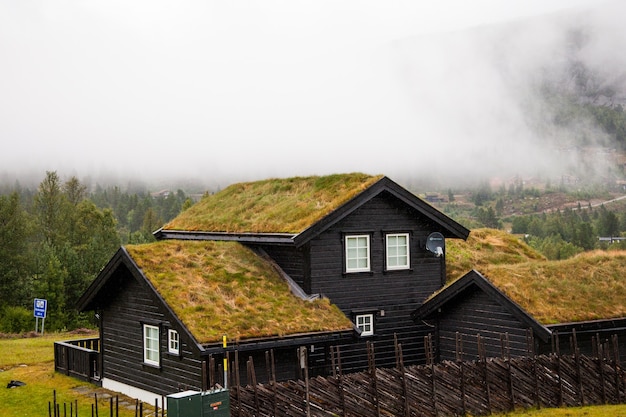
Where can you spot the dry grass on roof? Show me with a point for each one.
(486, 247)
(223, 288)
(272, 206)
(589, 286)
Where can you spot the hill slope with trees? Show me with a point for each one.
(56, 239)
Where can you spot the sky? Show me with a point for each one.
(244, 90)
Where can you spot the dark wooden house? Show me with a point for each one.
(358, 254)
(473, 306)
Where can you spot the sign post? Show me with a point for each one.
(39, 311)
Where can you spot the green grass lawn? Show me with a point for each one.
(31, 360)
(596, 411)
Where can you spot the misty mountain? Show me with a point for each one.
(232, 101)
(527, 98)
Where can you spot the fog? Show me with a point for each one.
(216, 92)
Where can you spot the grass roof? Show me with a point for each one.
(223, 288)
(589, 286)
(272, 206)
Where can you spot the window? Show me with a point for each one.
(357, 253)
(365, 322)
(173, 342)
(398, 251)
(151, 344)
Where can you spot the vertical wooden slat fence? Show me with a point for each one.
(78, 358)
(479, 387)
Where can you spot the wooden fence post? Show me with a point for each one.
(237, 382)
(616, 366)
(336, 356)
(307, 387)
(578, 369)
(600, 359)
(430, 360)
(272, 379)
(482, 357)
(405, 388)
(252, 381)
(372, 371)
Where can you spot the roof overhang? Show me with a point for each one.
(269, 238)
(280, 342)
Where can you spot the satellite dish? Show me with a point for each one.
(436, 243)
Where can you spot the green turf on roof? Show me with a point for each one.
(272, 206)
(589, 286)
(223, 288)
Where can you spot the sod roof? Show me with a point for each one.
(223, 288)
(589, 286)
(288, 205)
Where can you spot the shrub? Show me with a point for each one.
(16, 320)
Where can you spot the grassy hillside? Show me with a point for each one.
(589, 286)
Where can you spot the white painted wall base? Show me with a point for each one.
(133, 392)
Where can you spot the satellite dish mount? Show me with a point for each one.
(436, 243)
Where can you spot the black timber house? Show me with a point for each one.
(349, 253)
(578, 309)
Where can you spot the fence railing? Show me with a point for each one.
(78, 358)
(479, 387)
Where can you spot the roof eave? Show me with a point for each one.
(271, 238)
(266, 343)
(85, 300)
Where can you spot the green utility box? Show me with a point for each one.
(215, 403)
(184, 404)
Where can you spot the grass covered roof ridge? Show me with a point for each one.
(223, 288)
(589, 286)
(277, 205)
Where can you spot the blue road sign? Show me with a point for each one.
(41, 306)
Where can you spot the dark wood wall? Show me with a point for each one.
(285, 365)
(476, 313)
(391, 295)
(130, 305)
(292, 261)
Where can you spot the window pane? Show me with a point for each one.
(398, 251)
(174, 343)
(357, 253)
(365, 324)
(151, 344)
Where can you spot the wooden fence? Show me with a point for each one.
(78, 358)
(479, 387)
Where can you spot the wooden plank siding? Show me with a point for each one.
(473, 313)
(122, 344)
(291, 260)
(390, 295)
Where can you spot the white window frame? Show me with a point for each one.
(363, 321)
(151, 345)
(392, 252)
(352, 253)
(173, 342)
